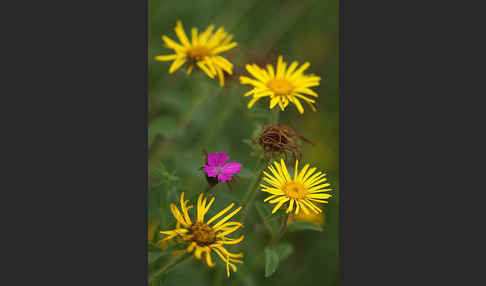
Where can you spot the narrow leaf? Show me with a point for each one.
(271, 261)
(284, 250)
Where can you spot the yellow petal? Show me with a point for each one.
(181, 34)
(203, 67)
(271, 71)
(284, 170)
(279, 205)
(195, 40)
(291, 206)
(297, 104)
(296, 169)
(280, 67)
(291, 69)
(227, 217)
(220, 213)
(166, 57)
(176, 64)
(306, 90)
(274, 101)
(171, 44)
(224, 48)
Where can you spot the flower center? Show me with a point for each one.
(295, 190)
(203, 234)
(198, 52)
(280, 86)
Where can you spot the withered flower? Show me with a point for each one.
(280, 138)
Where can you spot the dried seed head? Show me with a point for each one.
(281, 139)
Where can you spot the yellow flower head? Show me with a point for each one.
(201, 52)
(203, 237)
(282, 86)
(302, 191)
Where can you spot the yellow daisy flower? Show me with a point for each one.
(201, 52)
(302, 191)
(203, 237)
(282, 86)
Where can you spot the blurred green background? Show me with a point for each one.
(190, 113)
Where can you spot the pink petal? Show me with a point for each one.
(223, 177)
(212, 159)
(222, 158)
(210, 171)
(231, 168)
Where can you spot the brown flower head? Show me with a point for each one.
(281, 139)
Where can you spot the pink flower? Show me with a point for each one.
(217, 166)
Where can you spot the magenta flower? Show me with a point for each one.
(217, 166)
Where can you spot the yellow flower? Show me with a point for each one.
(203, 237)
(201, 52)
(282, 86)
(302, 191)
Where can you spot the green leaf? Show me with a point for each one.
(284, 250)
(271, 261)
(303, 225)
(264, 212)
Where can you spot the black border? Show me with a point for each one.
(80, 146)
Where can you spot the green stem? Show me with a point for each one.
(221, 119)
(275, 115)
(200, 98)
(283, 229)
(250, 193)
(169, 266)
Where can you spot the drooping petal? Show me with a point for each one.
(209, 261)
